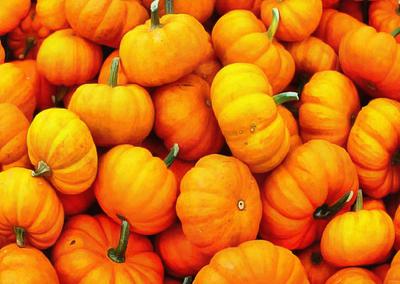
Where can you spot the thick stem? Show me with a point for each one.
(155, 18)
(274, 24)
(169, 6)
(173, 153)
(188, 280)
(118, 254)
(359, 201)
(19, 236)
(30, 43)
(113, 79)
(285, 97)
(326, 211)
(396, 32)
(42, 170)
(316, 258)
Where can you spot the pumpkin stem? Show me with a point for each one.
(59, 96)
(285, 97)
(113, 79)
(316, 258)
(359, 201)
(169, 6)
(188, 280)
(118, 254)
(274, 24)
(326, 211)
(155, 17)
(20, 236)
(173, 153)
(30, 42)
(396, 32)
(42, 170)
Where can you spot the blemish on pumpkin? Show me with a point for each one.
(241, 205)
(253, 127)
(72, 243)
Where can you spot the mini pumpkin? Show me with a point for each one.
(11, 13)
(52, 14)
(224, 6)
(74, 204)
(354, 275)
(105, 70)
(384, 15)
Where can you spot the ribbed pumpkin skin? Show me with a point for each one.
(291, 124)
(31, 203)
(354, 275)
(52, 14)
(224, 6)
(11, 13)
(311, 173)
(253, 262)
(104, 74)
(84, 243)
(385, 16)
(60, 139)
(25, 265)
(372, 143)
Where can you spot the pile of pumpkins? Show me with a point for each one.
(204, 141)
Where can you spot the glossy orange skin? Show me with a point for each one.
(238, 32)
(209, 206)
(352, 8)
(356, 61)
(298, 18)
(372, 143)
(312, 55)
(104, 21)
(329, 3)
(372, 204)
(209, 67)
(180, 257)
(224, 6)
(52, 14)
(334, 25)
(358, 238)
(147, 203)
(25, 265)
(77, 203)
(84, 243)
(381, 271)
(104, 74)
(253, 262)
(291, 124)
(2, 54)
(11, 13)
(66, 59)
(354, 275)
(30, 27)
(328, 105)
(384, 16)
(31, 203)
(180, 44)
(183, 115)
(311, 172)
(60, 139)
(393, 274)
(248, 117)
(317, 269)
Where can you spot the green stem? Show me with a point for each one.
(30, 42)
(173, 153)
(188, 280)
(20, 236)
(113, 79)
(58, 98)
(274, 24)
(118, 254)
(169, 6)
(359, 201)
(396, 32)
(316, 258)
(326, 211)
(42, 170)
(285, 97)
(155, 18)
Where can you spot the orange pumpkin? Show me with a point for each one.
(25, 265)
(295, 219)
(224, 6)
(393, 274)
(66, 59)
(291, 124)
(352, 8)
(329, 105)
(77, 203)
(299, 18)
(354, 275)
(237, 33)
(373, 204)
(179, 41)
(11, 13)
(373, 144)
(114, 114)
(2, 54)
(104, 254)
(381, 271)
(62, 149)
(105, 71)
(253, 262)
(329, 3)
(384, 15)
(184, 116)
(52, 14)
(209, 67)
(31, 212)
(219, 212)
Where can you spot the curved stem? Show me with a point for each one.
(169, 6)
(285, 97)
(19, 236)
(396, 32)
(359, 201)
(155, 18)
(173, 153)
(316, 258)
(113, 79)
(30, 43)
(274, 24)
(326, 211)
(42, 170)
(118, 254)
(188, 280)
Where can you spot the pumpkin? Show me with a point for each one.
(393, 275)
(381, 271)
(25, 265)
(334, 25)
(329, 105)
(31, 212)
(238, 32)
(224, 6)
(384, 15)
(66, 59)
(354, 275)
(110, 254)
(352, 8)
(114, 114)
(179, 41)
(219, 204)
(312, 55)
(183, 115)
(358, 238)
(248, 117)
(15, 89)
(329, 3)
(2, 54)
(396, 222)
(252, 261)
(295, 219)
(52, 14)
(372, 204)
(291, 124)
(62, 150)
(104, 21)
(299, 18)
(379, 75)
(373, 144)
(317, 269)
(77, 203)
(180, 257)
(11, 13)
(25, 40)
(134, 184)
(209, 67)
(105, 71)
(13, 129)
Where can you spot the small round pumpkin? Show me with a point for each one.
(74, 204)
(52, 14)
(2, 54)
(224, 6)
(62, 149)
(384, 15)
(67, 59)
(11, 13)
(105, 71)
(354, 275)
